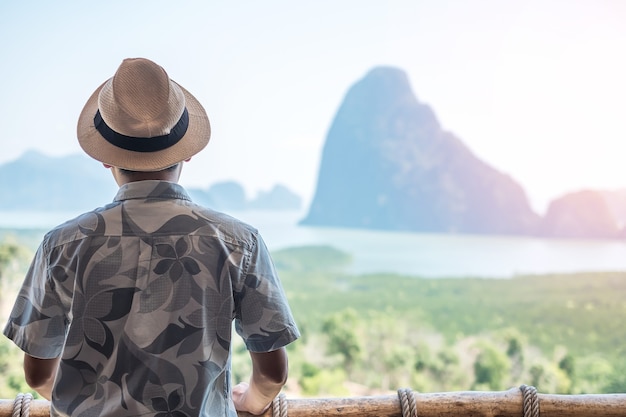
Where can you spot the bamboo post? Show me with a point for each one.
(38, 408)
(444, 404)
(462, 403)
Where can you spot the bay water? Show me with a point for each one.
(421, 254)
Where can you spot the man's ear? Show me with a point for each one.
(107, 166)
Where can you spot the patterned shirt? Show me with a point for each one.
(139, 298)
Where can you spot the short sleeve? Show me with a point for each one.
(37, 323)
(262, 314)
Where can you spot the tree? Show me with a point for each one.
(592, 374)
(316, 381)
(11, 375)
(491, 367)
(11, 257)
(568, 365)
(516, 343)
(9, 253)
(617, 380)
(341, 331)
(546, 376)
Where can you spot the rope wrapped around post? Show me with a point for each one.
(279, 406)
(530, 401)
(21, 405)
(407, 402)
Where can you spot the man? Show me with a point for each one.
(127, 310)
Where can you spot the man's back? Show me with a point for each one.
(146, 289)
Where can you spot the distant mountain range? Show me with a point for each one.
(78, 183)
(388, 164)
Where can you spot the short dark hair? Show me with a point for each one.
(130, 172)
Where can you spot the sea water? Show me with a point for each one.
(421, 254)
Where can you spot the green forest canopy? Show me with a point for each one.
(367, 334)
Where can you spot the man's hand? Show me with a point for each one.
(269, 373)
(244, 401)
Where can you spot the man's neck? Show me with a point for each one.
(124, 177)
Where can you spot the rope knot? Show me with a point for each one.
(530, 401)
(21, 405)
(279, 406)
(407, 402)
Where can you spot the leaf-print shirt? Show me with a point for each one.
(139, 297)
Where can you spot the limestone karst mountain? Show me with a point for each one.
(388, 164)
(581, 214)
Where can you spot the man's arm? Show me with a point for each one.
(40, 373)
(269, 374)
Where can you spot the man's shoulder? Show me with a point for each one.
(227, 225)
(75, 228)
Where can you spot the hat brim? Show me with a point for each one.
(195, 139)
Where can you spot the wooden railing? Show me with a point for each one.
(512, 403)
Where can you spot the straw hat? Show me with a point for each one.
(141, 120)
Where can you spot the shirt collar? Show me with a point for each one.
(151, 189)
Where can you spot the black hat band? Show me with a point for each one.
(153, 144)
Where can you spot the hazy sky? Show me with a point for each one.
(535, 88)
